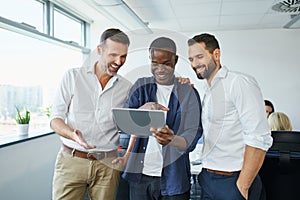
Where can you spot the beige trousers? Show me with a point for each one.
(73, 175)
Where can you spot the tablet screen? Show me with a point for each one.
(138, 121)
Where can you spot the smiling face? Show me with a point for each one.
(163, 63)
(204, 63)
(112, 56)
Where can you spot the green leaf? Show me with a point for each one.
(22, 118)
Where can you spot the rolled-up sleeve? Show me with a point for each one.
(63, 96)
(250, 105)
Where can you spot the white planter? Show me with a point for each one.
(22, 129)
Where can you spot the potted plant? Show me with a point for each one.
(22, 119)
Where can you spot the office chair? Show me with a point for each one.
(280, 172)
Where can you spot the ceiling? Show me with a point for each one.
(200, 15)
(195, 15)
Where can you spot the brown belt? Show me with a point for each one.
(97, 155)
(220, 172)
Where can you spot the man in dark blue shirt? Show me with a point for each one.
(158, 166)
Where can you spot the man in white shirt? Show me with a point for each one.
(81, 115)
(236, 132)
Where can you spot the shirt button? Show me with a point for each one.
(142, 161)
(144, 148)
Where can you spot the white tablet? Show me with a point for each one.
(137, 121)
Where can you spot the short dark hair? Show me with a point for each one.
(209, 40)
(115, 35)
(269, 103)
(163, 43)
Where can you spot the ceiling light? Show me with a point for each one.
(287, 6)
(120, 12)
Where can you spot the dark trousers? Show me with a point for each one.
(149, 189)
(223, 187)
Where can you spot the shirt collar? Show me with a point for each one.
(112, 81)
(90, 69)
(222, 73)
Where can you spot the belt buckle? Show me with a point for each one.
(92, 156)
(95, 155)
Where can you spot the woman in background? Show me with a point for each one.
(279, 121)
(269, 107)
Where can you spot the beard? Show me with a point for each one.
(109, 69)
(199, 76)
(208, 69)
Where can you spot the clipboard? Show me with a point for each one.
(138, 121)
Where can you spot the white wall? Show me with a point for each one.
(272, 57)
(27, 169)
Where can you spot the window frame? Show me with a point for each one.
(47, 36)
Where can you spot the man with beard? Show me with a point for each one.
(158, 166)
(236, 132)
(81, 115)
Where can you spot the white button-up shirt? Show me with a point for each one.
(84, 105)
(233, 115)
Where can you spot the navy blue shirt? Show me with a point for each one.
(184, 118)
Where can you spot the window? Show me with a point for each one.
(28, 12)
(29, 75)
(67, 28)
(32, 62)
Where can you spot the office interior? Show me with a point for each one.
(260, 38)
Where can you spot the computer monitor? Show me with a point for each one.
(280, 172)
(286, 145)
